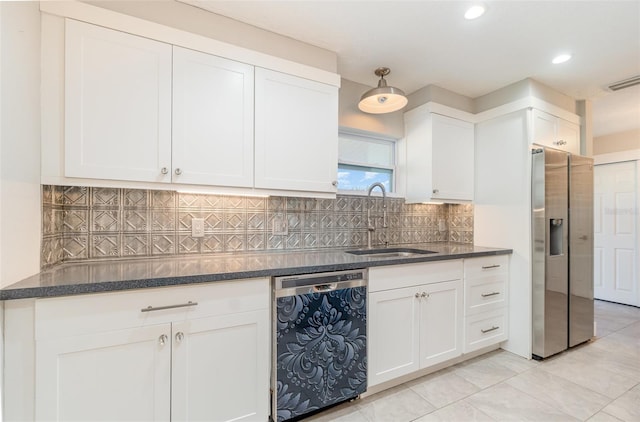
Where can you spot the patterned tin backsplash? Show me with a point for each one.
(81, 223)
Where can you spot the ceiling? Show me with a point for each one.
(430, 42)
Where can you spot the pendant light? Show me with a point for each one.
(383, 99)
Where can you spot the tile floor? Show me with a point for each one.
(599, 382)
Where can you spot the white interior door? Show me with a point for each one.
(616, 233)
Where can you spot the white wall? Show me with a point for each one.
(20, 215)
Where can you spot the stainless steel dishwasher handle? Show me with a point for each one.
(321, 288)
(162, 308)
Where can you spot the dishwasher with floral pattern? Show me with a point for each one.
(320, 342)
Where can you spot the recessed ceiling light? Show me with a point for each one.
(561, 58)
(474, 12)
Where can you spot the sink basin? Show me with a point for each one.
(390, 252)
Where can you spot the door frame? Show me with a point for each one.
(620, 157)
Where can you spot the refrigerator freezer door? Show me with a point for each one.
(550, 251)
(581, 250)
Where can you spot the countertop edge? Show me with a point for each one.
(121, 285)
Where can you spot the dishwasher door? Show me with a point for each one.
(320, 342)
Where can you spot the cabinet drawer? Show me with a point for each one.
(91, 313)
(486, 265)
(398, 276)
(485, 329)
(484, 294)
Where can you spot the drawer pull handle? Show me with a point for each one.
(488, 330)
(488, 267)
(162, 308)
(179, 337)
(489, 294)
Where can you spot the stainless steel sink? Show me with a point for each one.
(390, 252)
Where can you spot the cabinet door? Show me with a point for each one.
(393, 334)
(221, 368)
(117, 105)
(119, 375)
(544, 128)
(296, 133)
(212, 120)
(569, 136)
(554, 132)
(440, 322)
(452, 155)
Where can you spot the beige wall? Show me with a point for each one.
(617, 142)
(189, 18)
(350, 117)
(19, 141)
(436, 94)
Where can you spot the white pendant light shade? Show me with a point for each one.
(383, 99)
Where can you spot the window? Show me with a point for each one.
(364, 160)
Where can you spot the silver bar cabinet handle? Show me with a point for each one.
(488, 267)
(488, 330)
(161, 308)
(489, 294)
(320, 288)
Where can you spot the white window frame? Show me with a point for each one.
(374, 138)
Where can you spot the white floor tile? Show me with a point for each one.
(459, 411)
(404, 405)
(484, 371)
(564, 395)
(443, 388)
(503, 402)
(627, 406)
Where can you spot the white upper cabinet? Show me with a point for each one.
(296, 133)
(136, 112)
(117, 105)
(440, 158)
(212, 120)
(554, 132)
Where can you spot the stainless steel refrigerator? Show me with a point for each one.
(562, 264)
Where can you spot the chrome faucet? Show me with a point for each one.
(370, 226)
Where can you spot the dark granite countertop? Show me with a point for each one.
(124, 274)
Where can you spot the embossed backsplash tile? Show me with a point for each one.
(80, 223)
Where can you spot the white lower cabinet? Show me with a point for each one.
(205, 361)
(119, 375)
(424, 314)
(218, 368)
(486, 300)
(418, 322)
